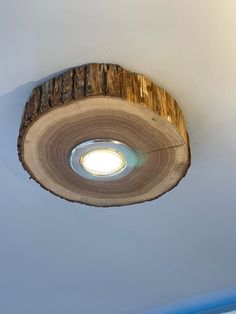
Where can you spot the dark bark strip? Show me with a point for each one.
(101, 80)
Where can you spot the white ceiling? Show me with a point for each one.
(58, 257)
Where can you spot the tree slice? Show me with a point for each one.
(103, 101)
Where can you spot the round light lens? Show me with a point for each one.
(102, 159)
(103, 162)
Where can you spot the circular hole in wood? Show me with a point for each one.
(102, 159)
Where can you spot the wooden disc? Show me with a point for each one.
(103, 101)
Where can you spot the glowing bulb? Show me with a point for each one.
(103, 162)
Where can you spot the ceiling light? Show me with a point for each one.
(103, 162)
(101, 135)
(103, 159)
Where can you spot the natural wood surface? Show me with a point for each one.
(103, 101)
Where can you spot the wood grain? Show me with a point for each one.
(103, 101)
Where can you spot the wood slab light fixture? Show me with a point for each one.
(104, 136)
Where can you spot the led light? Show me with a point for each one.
(103, 162)
(102, 159)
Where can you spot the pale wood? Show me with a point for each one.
(92, 96)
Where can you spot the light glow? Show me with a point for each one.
(103, 162)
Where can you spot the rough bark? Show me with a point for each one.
(102, 80)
